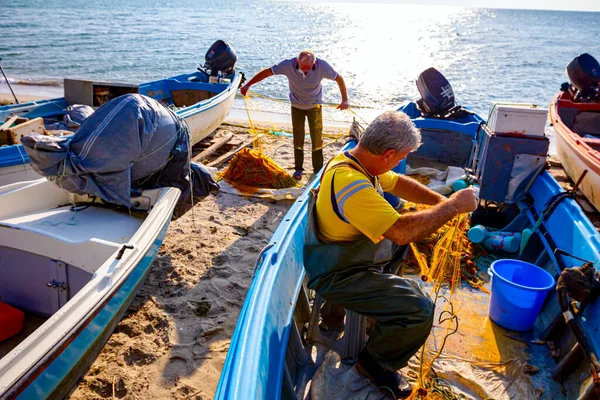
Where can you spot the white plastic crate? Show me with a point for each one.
(524, 119)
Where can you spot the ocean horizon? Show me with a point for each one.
(379, 48)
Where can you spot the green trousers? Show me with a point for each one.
(352, 276)
(315, 126)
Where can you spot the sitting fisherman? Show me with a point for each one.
(355, 236)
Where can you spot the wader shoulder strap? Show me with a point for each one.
(334, 168)
(334, 204)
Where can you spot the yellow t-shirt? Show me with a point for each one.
(361, 208)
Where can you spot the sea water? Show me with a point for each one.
(380, 49)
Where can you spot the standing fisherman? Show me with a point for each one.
(305, 74)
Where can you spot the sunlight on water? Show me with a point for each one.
(390, 47)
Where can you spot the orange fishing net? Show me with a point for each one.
(425, 180)
(253, 168)
(446, 256)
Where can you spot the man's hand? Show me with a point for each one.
(244, 89)
(464, 200)
(343, 105)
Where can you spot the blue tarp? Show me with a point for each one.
(130, 143)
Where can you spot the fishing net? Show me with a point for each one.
(253, 168)
(447, 256)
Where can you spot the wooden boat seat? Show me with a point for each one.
(85, 239)
(355, 332)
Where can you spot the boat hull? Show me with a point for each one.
(266, 332)
(49, 362)
(202, 118)
(72, 360)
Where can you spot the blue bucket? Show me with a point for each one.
(518, 293)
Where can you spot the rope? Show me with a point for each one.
(185, 130)
(22, 158)
(324, 105)
(255, 139)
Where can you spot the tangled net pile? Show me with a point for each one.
(253, 168)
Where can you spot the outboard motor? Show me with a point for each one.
(219, 57)
(437, 96)
(584, 74)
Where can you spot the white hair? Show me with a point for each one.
(391, 130)
(306, 57)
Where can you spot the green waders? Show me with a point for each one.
(315, 127)
(350, 275)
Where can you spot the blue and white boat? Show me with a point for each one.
(203, 105)
(73, 265)
(272, 357)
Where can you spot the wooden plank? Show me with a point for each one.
(16, 132)
(4, 134)
(214, 147)
(228, 156)
(8, 123)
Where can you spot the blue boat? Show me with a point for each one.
(271, 356)
(73, 265)
(202, 104)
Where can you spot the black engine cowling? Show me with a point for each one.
(220, 57)
(437, 96)
(584, 71)
(584, 74)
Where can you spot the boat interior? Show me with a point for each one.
(185, 90)
(467, 353)
(583, 119)
(53, 243)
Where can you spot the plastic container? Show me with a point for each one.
(518, 293)
(395, 200)
(523, 119)
(459, 184)
(495, 241)
(11, 321)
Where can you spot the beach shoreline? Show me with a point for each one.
(28, 93)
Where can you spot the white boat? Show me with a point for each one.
(201, 104)
(73, 265)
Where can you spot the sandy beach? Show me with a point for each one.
(173, 341)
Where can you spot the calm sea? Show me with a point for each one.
(380, 49)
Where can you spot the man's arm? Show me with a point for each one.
(412, 226)
(343, 91)
(265, 73)
(411, 190)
